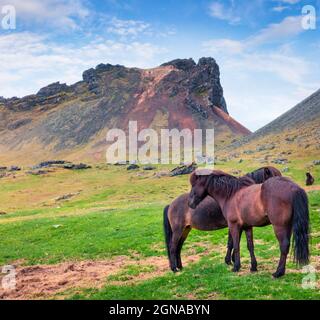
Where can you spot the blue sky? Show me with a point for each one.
(268, 62)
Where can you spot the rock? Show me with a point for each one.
(183, 170)
(161, 174)
(286, 169)
(17, 124)
(149, 168)
(280, 161)
(248, 152)
(73, 166)
(290, 139)
(316, 162)
(265, 147)
(52, 89)
(240, 161)
(49, 163)
(3, 168)
(14, 168)
(38, 172)
(236, 172)
(66, 196)
(121, 163)
(133, 167)
(2, 213)
(181, 64)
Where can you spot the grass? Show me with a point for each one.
(120, 213)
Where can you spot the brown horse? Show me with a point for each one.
(277, 201)
(179, 219)
(309, 179)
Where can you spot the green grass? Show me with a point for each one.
(120, 214)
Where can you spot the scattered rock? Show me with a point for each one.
(286, 169)
(14, 168)
(133, 167)
(280, 161)
(66, 196)
(149, 168)
(183, 170)
(38, 172)
(73, 166)
(248, 152)
(265, 147)
(121, 163)
(161, 174)
(49, 163)
(316, 162)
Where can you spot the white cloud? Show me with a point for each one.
(128, 27)
(280, 8)
(289, 1)
(62, 14)
(261, 82)
(29, 61)
(224, 12)
(228, 46)
(288, 27)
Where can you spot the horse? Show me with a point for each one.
(309, 179)
(278, 201)
(179, 219)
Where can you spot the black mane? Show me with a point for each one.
(228, 184)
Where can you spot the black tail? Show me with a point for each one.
(300, 227)
(167, 230)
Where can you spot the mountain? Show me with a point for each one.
(296, 133)
(71, 121)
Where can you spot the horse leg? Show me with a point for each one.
(250, 246)
(232, 257)
(227, 259)
(180, 244)
(283, 234)
(235, 231)
(174, 244)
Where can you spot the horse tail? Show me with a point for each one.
(300, 211)
(167, 229)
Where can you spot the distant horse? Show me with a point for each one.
(277, 201)
(179, 219)
(309, 180)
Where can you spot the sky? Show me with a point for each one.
(268, 61)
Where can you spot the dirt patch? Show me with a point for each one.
(312, 188)
(45, 281)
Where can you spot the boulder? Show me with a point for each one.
(133, 167)
(183, 170)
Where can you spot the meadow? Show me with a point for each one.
(97, 234)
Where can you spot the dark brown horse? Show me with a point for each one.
(179, 219)
(309, 179)
(277, 201)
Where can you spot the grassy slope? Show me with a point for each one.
(120, 213)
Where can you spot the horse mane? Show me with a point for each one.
(228, 184)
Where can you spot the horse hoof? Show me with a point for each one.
(236, 269)
(228, 262)
(278, 274)
(174, 270)
(254, 269)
